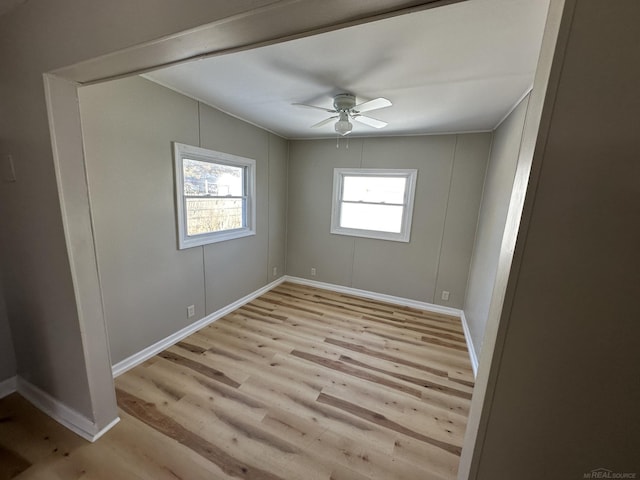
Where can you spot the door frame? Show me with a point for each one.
(276, 23)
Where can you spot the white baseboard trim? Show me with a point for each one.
(8, 386)
(74, 421)
(472, 351)
(152, 350)
(407, 302)
(101, 432)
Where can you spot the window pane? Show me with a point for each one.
(215, 179)
(206, 215)
(374, 189)
(363, 216)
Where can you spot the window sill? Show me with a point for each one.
(207, 238)
(393, 237)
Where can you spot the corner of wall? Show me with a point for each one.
(8, 386)
(61, 413)
(473, 355)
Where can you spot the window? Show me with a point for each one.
(215, 196)
(373, 203)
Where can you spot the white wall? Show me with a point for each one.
(147, 283)
(450, 175)
(496, 195)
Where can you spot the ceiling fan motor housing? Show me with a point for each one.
(344, 102)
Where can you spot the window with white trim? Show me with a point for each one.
(215, 195)
(373, 203)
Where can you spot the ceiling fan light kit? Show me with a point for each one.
(343, 126)
(344, 104)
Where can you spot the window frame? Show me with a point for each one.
(183, 151)
(339, 174)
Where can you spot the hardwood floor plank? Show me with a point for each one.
(301, 430)
(309, 410)
(444, 333)
(380, 419)
(351, 454)
(212, 373)
(163, 456)
(433, 420)
(442, 343)
(311, 294)
(190, 347)
(12, 464)
(344, 368)
(409, 374)
(418, 453)
(149, 414)
(407, 378)
(384, 356)
(300, 383)
(31, 434)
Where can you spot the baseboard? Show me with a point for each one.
(406, 302)
(8, 386)
(472, 351)
(152, 350)
(73, 420)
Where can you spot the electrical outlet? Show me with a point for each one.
(191, 311)
(274, 271)
(445, 295)
(313, 271)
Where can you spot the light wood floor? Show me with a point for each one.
(301, 383)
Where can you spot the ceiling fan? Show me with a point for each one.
(344, 105)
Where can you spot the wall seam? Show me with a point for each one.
(204, 280)
(444, 223)
(475, 235)
(286, 210)
(354, 239)
(268, 206)
(204, 264)
(199, 128)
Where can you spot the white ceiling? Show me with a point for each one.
(457, 68)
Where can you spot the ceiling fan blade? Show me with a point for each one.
(372, 122)
(330, 110)
(324, 122)
(374, 104)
